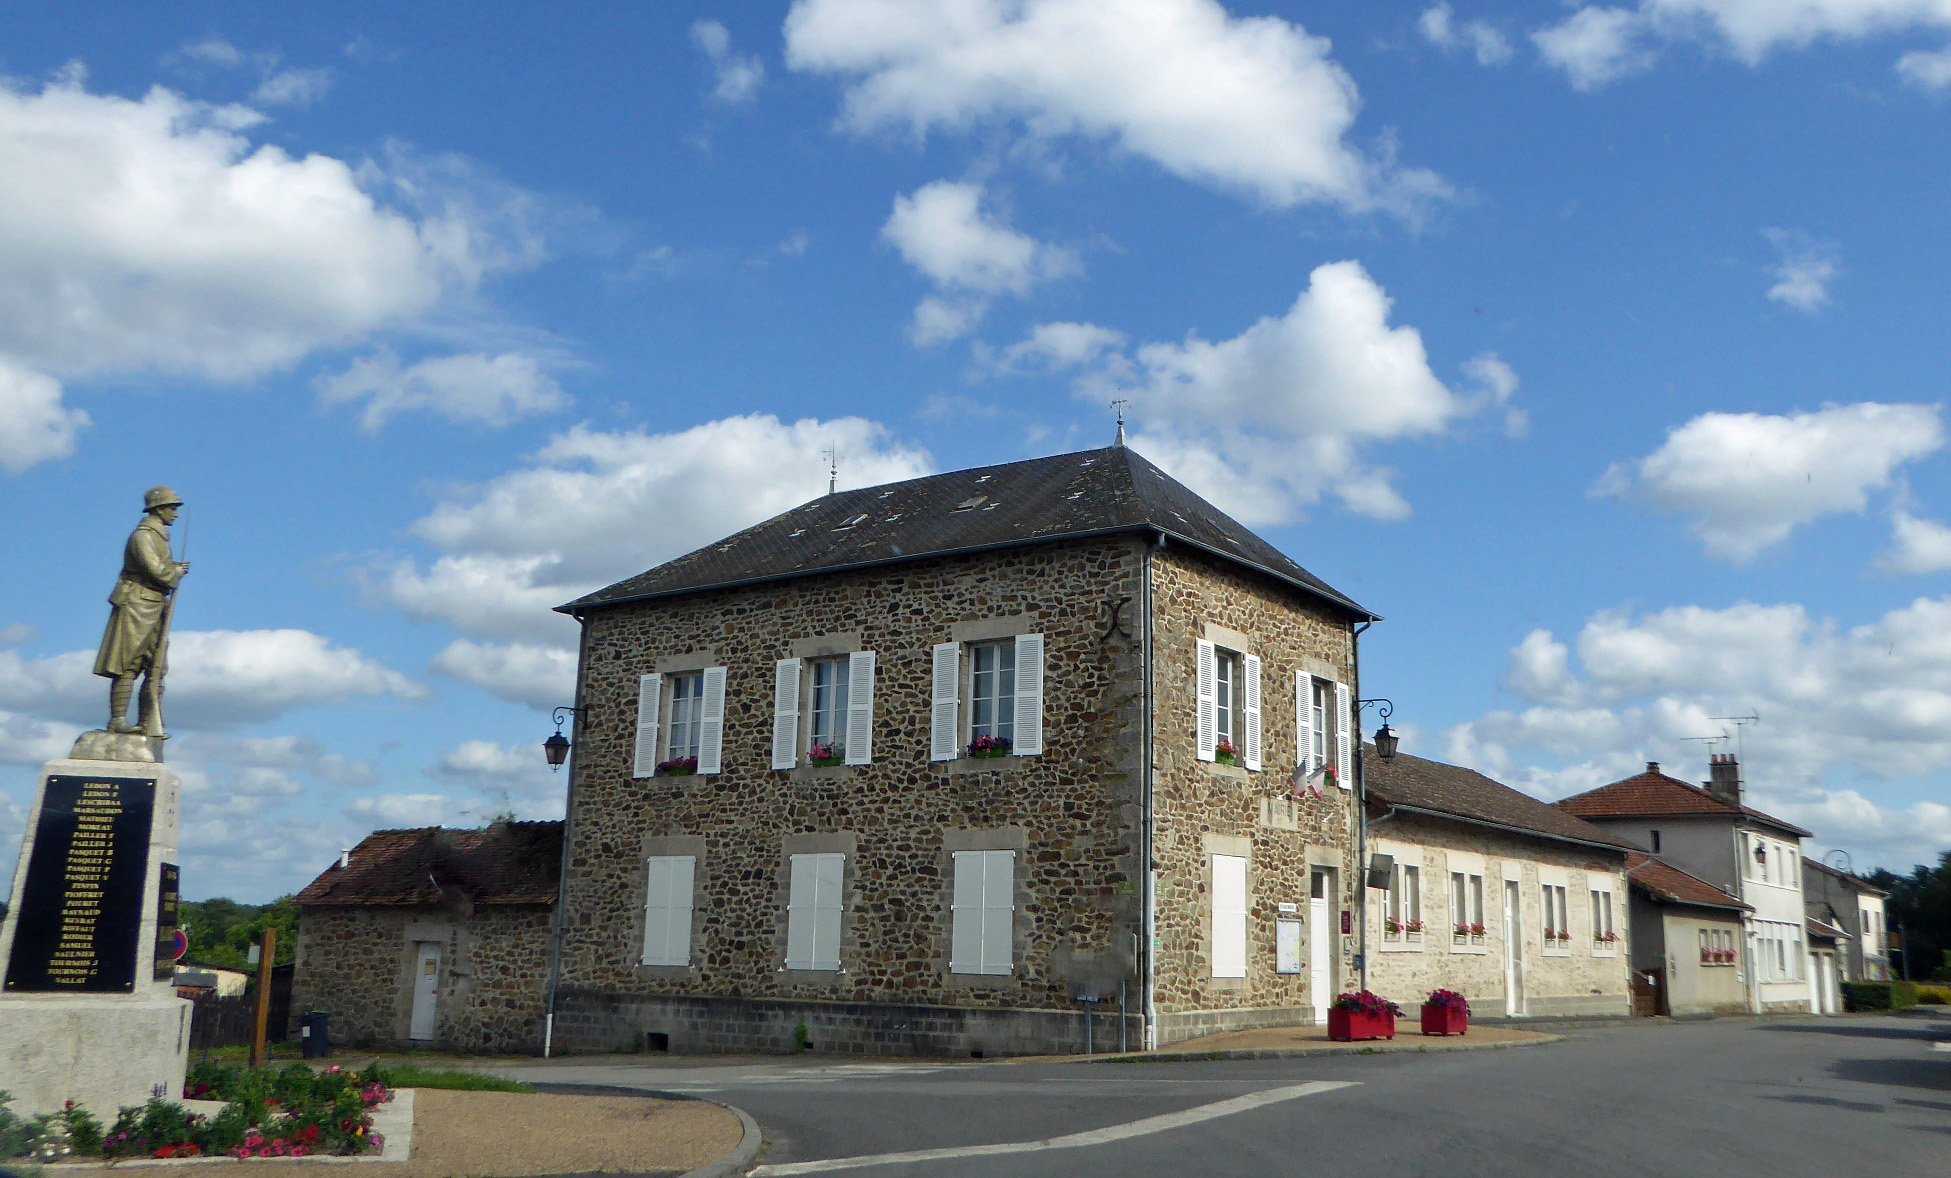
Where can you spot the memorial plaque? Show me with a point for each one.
(168, 895)
(81, 908)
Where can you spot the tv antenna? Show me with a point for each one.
(1739, 722)
(1709, 741)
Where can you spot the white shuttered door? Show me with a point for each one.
(711, 722)
(1028, 741)
(813, 912)
(1229, 916)
(667, 909)
(1204, 701)
(785, 714)
(945, 686)
(649, 687)
(982, 922)
(1252, 710)
(860, 708)
(1344, 722)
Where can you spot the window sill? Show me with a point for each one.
(1236, 772)
(820, 772)
(1599, 951)
(1401, 946)
(981, 981)
(1013, 762)
(814, 977)
(673, 973)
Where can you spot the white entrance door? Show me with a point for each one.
(1513, 951)
(426, 989)
(1319, 940)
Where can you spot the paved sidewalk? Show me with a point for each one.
(1293, 1042)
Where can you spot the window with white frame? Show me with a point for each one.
(827, 716)
(680, 722)
(1557, 918)
(831, 701)
(687, 714)
(668, 883)
(1604, 936)
(1320, 728)
(992, 690)
(813, 910)
(1226, 701)
(1466, 907)
(982, 917)
(994, 706)
(1229, 916)
(1403, 914)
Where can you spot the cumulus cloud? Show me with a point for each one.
(1596, 45)
(25, 740)
(1440, 28)
(1269, 421)
(514, 775)
(474, 387)
(1917, 545)
(1748, 479)
(1926, 70)
(404, 811)
(737, 76)
(969, 253)
(519, 672)
(1253, 105)
(484, 595)
(278, 85)
(34, 425)
(1803, 269)
(1052, 347)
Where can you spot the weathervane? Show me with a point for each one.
(1119, 405)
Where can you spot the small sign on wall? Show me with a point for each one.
(1287, 946)
(1347, 922)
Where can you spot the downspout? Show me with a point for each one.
(1151, 872)
(1361, 813)
(562, 870)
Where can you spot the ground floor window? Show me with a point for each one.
(1229, 916)
(813, 911)
(982, 922)
(667, 909)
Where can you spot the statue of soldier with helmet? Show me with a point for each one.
(136, 642)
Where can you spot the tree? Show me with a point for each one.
(222, 931)
(1920, 905)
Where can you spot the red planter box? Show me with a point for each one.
(1349, 1026)
(1445, 1020)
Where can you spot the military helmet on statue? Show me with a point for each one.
(156, 497)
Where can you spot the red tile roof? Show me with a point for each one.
(1670, 885)
(1453, 791)
(507, 863)
(1653, 794)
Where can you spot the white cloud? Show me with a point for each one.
(286, 754)
(1597, 45)
(1804, 269)
(1440, 28)
(1540, 669)
(17, 634)
(1267, 422)
(293, 87)
(404, 811)
(25, 740)
(214, 51)
(1749, 479)
(34, 426)
(1052, 347)
(970, 254)
(1917, 545)
(539, 676)
(1926, 70)
(485, 596)
(491, 390)
(507, 776)
(739, 76)
(1252, 105)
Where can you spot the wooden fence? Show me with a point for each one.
(230, 1022)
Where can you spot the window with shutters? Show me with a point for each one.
(1320, 731)
(813, 910)
(667, 909)
(823, 710)
(982, 919)
(1467, 930)
(1229, 916)
(1227, 703)
(827, 720)
(992, 690)
(987, 699)
(686, 724)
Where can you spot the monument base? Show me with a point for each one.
(102, 1051)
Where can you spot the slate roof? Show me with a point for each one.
(1653, 794)
(1670, 885)
(1854, 883)
(507, 863)
(1453, 791)
(1061, 497)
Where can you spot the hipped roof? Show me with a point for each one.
(1434, 788)
(506, 863)
(1653, 794)
(1061, 497)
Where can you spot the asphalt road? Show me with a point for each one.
(1765, 1097)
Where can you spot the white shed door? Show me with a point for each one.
(426, 990)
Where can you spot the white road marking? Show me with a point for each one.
(1104, 1136)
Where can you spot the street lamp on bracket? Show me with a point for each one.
(556, 748)
(1385, 748)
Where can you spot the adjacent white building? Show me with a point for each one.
(1855, 906)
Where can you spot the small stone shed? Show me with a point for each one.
(433, 937)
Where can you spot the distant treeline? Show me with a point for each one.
(1920, 905)
(222, 931)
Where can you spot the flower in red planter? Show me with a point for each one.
(1366, 1002)
(990, 746)
(1447, 1000)
(1463, 930)
(1609, 937)
(1476, 930)
(678, 766)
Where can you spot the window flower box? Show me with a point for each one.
(1225, 753)
(989, 746)
(677, 767)
(1357, 1017)
(823, 755)
(1413, 929)
(1446, 1012)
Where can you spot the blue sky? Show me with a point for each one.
(1601, 350)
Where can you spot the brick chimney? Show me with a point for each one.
(1724, 780)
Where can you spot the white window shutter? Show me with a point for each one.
(998, 911)
(1028, 741)
(1205, 703)
(667, 909)
(1229, 916)
(826, 901)
(800, 912)
(1252, 716)
(711, 722)
(1303, 730)
(965, 915)
(785, 714)
(860, 708)
(943, 736)
(648, 689)
(1344, 771)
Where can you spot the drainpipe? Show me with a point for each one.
(1361, 811)
(1151, 873)
(562, 870)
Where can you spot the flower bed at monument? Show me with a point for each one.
(290, 1113)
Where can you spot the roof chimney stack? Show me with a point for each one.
(1724, 780)
(1652, 766)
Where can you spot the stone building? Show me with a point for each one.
(433, 937)
(942, 766)
(1689, 940)
(1514, 903)
(1853, 906)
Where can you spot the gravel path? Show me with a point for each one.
(512, 1135)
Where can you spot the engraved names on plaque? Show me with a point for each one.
(81, 907)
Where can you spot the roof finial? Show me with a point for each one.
(1119, 405)
(832, 457)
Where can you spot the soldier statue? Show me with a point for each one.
(136, 643)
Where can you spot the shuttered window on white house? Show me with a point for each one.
(667, 909)
(813, 910)
(1229, 916)
(982, 915)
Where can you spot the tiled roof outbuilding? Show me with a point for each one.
(1653, 794)
(506, 863)
(1670, 885)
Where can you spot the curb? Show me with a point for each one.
(1308, 1052)
(742, 1155)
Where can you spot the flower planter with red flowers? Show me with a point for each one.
(1356, 1017)
(1225, 754)
(1446, 1012)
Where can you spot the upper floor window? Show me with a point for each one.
(687, 715)
(823, 710)
(992, 691)
(680, 722)
(1226, 690)
(1226, 698)
(995, 708)
(829, 710)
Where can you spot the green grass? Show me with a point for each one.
(408, 1075)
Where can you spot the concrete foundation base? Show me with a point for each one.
(103, 1052)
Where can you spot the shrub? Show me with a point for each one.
(1934, 995)
(1879, 995)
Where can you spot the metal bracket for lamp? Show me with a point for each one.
(556, 748)
(1385, 736)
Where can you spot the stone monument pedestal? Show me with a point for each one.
(86, 1013)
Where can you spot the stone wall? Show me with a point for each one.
(356, 962)
(1576, 979)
